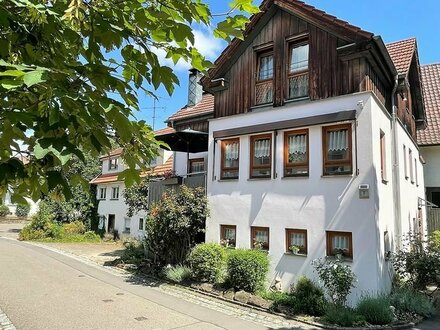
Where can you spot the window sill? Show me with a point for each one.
(302, 255)
(299, 99)
(228, 180)
(289, 177)
(114, 199)
(337, 175)
(260, 179)
(344, 259)
(261, 106)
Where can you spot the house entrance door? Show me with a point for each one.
(111, 223)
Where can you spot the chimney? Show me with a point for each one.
(195, 90)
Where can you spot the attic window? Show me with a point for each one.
(264, 78)
(298, 71)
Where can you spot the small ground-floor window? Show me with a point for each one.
(339, 242)
(127, 222)
(296, 241)
(141, 223)
(260, 237)
(228, 235)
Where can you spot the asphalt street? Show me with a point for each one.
(41, 289)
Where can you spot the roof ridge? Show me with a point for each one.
(402, 40)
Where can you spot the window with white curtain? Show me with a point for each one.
(264, 78)
(230, 157)
(296, 241)
(260, 237)
(298, 73)
(337, 149)
(339, 243)
(296, 153)
(261, 156)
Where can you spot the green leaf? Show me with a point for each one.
(34, 77)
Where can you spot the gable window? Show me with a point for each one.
(339, 242)
(113, 163)
(228, 235)
(264, 78)
(260, 238)
(196, 165)
(230, 156)
(298, 72)
(102, 193)
(410, 161)
(141, 224)
(115, 192)
(383, 157)
(261, 156)
(337, 149)
(296, 153)
(296, 241)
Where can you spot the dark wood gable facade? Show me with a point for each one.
(292, 51)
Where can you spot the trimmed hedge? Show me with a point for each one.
(207, 262)
(247, 269)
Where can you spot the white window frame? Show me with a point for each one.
(115, 196)
(102, 193)
(111, 165)
(141, 221)
(127, 229)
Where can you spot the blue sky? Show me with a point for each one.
(392, 19)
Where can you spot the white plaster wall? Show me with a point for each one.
(119, 209)
(106, 170)
(431, 155)
(12, 207)
(409, 191)
(181, 161)
(314, 203)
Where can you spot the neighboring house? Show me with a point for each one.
(186, 167)
(306, 148)
(429, 141)
(110, 190)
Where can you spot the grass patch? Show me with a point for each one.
(409, 301)
(178, 274)
(343, 316)
(88, 237)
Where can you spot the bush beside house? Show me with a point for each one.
(4, 210)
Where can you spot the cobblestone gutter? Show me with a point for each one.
(5, 322)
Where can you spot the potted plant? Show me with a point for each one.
(295, 249)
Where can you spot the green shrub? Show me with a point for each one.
(92, 236)
(375, 310)
(434, 241)
(343, 316)
(207, 261)
(22, 210)
(4, 210)
(309, 297)
(279, 298)
(178, 274)
(134, 252)
(75, 227)
(54, 231)
(247, 269)
(337, 277)
(29, 234)
(409, 301)
(418, 262)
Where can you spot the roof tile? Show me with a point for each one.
(431, 90)
(204, 107)
(401, 53)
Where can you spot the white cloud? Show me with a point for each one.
(204, 41)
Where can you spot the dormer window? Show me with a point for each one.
(298, 71)
(113, 164)
(264, 78)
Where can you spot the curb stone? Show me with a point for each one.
(5, 322)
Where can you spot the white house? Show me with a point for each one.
(313, 144)
(429, 141)
(110, 190)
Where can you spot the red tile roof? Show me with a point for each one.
(158, 170)
(401, 53)
(113, 153)
(204, 107)
(431, 90)
(164, 131)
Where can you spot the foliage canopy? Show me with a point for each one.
(70, 71)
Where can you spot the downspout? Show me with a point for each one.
(396, 174)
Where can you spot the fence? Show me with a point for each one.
(157, 188)
(433, 218)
